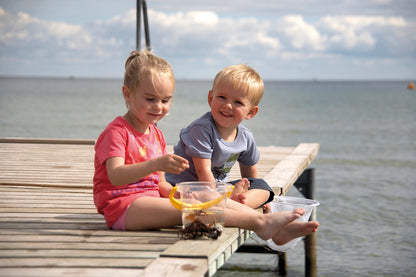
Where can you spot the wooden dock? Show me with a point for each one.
(49, 225)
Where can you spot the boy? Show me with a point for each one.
(215, 141)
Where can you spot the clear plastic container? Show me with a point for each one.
(202, 202)
(288, 203)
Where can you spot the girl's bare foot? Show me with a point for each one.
(239, 188)
(274, 222)
(294, 230)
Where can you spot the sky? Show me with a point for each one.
(281, 39)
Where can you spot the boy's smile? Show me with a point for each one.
(229, 107)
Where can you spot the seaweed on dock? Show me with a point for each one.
(197, 229)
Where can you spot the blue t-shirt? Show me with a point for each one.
(201, 139)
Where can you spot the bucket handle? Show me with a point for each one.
(199, 206)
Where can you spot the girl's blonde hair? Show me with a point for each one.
(141, 65)
(241, 77)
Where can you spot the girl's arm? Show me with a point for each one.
(164, 186)
(203, 169)
(248, 171)
(122, 174)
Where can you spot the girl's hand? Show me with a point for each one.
(172, 163)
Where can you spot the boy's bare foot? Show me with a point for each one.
(294, 230)
(274, 222)
(267, 208)
(239, 188)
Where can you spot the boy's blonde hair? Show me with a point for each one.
(141, 65)
(241, 77)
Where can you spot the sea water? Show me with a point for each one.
(365, 170)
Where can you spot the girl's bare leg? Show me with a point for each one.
(152, 213)
(265, 225)
(294, 230)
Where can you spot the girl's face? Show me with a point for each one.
(229, 106)
(149, 102)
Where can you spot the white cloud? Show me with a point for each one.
(21, 31)
(204, 17)
(198, 41)
(359, 33)
(300, 34)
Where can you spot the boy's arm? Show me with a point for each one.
(120, 173)
(248, 171)
(203, 169)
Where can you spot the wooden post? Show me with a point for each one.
(310, 251)
(306, 185)
(142, 6)
(138, 23)
(281, 264)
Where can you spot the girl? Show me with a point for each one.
(130, 188)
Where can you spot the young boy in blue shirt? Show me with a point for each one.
(214, 142)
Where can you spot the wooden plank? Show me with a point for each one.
(183, 267)
(200, 248)
(215, 252)
(108, 246)
(75, 262)
(288, 170)
(71, 272)
(48, 210)
(53, 163)
(80, 253)
(171, 234)
(47, 141)
(89, 239)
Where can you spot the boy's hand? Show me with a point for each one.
(172, 163)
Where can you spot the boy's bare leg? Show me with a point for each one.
(294, 230)
(254, 198)
(152, 213)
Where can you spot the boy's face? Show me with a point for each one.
(149, 102)
(229, 106)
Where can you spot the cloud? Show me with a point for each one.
(201, 41)
(354, 31)
(300, 35)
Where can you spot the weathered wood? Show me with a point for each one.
(99, 262)
(216, 252)
(71, 272)
(183, 267)
(49, 225)
(286, 172)
(47, 141)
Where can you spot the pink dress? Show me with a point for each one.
(120, 139)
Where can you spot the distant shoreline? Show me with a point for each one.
(205, 80)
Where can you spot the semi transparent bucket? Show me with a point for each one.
(202, 202)
(288, 203)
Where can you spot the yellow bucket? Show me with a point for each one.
(202, 201)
